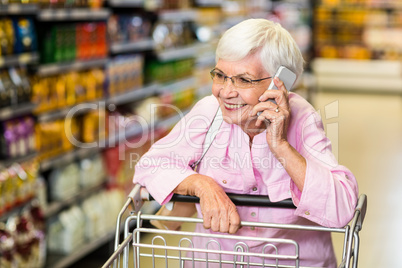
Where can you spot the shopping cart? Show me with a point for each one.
(184, 252)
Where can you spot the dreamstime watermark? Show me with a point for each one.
(136, 131)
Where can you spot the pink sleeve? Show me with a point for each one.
(330, 190)
(168, 161)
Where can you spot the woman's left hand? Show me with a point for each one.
(275, 116)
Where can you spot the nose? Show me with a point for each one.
(228, 89)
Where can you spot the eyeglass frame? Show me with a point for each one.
(231, 77)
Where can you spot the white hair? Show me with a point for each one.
(275, 45)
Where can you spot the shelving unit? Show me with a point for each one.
(21, 59)
(61, 260)
(67, 158)
(18, 9)
(14, 211)
(16, 111)
(57, 206)
(356, 46)
(73, 14)
(142, 45)
(57, 68)
(126, 3)
(178, 53)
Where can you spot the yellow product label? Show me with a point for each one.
(9, 191)
(61, 94)
(71, 80)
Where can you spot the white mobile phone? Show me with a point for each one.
(286, 76)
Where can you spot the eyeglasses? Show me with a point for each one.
(238, 81)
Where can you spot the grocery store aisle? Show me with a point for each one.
(370, 145)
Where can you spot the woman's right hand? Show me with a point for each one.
(218, 211)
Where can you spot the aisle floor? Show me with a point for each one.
(370, 145)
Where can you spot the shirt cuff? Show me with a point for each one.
(161, 188)
(311, 203)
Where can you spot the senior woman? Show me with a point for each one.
(282, 152)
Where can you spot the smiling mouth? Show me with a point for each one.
(233, 106)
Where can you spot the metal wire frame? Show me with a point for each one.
(137, 197)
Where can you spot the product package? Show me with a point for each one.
(7, 37)
(25, 35)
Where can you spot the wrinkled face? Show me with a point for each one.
(237, 102)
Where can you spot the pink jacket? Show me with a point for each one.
(330, 191)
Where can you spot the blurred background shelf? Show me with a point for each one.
(56, 206)
(17, 110)
(134, 94)
(359, 75)
(141, 45)
(57, 68)
(18, 9)
(126, 3)
(178, 53)
(67, 157)
(55, 260)
(20, 59)
(73, 14)
(18, 160)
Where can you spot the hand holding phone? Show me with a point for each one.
(286, 76)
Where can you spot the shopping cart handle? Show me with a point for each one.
(239, 200)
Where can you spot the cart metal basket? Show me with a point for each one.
(184, 254)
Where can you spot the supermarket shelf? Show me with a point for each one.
(136, 131)
(204, 90)
(15, 210)
(18, 9)
(18, 110)
(376, 5)
(378, 68)
(359, 75)
(209, 3)
(57, 206)
(21, 59)
(363, 84)
(81, 108)
(56, 68)
(172, 120)
(61, 261)
(141, 45)
(68, 157)
(73, 14)
(76, 109)
(178, 15)
(21, 159)
(125, 134)
(134, 94)
(178, 85)
(126, 3)
(184, 52)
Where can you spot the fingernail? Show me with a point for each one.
(260, 98)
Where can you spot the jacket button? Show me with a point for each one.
(224, 182)
(307, 212)
(255, 189)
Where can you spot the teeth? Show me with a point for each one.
(234, 106)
